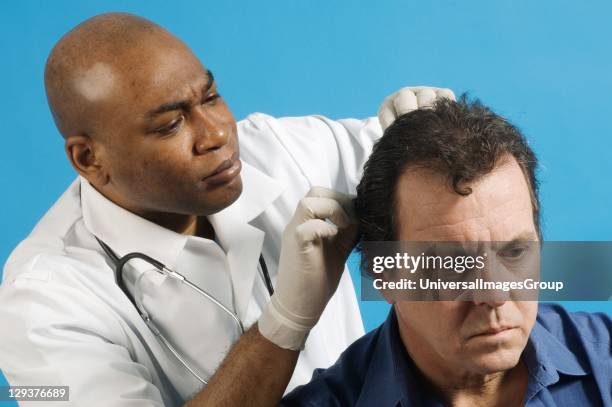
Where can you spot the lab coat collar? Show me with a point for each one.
(258, 191)
(125, 232)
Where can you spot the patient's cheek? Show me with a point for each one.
(432, 318)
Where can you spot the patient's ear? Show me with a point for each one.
(389, 295)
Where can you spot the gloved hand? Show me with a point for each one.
(408, 99)
(313, 254)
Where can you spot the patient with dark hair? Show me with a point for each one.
(459, 172)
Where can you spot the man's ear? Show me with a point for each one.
(84, 155)
(389, 295)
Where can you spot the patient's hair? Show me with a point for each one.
(463, 140)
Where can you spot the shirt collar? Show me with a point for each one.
(546, 358)
(126, 232)
(404, 387)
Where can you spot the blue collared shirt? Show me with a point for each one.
(568, 356)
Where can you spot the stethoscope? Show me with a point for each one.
(120, 262)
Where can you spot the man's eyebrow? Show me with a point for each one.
(520, 238)
(181, 104)
(525, 237)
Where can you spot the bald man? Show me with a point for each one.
(165, 171)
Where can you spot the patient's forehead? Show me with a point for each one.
(498, 209)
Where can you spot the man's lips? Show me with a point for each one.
(490, 332)
(225, 172)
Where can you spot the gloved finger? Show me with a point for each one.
(425, 97)
(405, 101)
(417, 89)
(315, 229)
(322, 208)
(346, 201)
(445, 93)
(386, 113)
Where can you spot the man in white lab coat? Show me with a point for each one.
(164, 170)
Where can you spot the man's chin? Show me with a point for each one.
(218, 200)
(496, 361)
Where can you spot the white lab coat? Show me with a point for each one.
(64, 321)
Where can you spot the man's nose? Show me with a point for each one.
(493, 297)
(211, 131)
(493, 303)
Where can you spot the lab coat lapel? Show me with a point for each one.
(243, 242)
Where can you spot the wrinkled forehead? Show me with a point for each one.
(498, 208)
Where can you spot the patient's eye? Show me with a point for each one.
(513, 252)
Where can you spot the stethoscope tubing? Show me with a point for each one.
(120, 262)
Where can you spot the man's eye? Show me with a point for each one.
(513, 253)
(211, 99)
(172, 127)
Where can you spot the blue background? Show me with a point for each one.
(546, 65)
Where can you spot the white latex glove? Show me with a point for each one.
(313, 254)
(408, 99)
